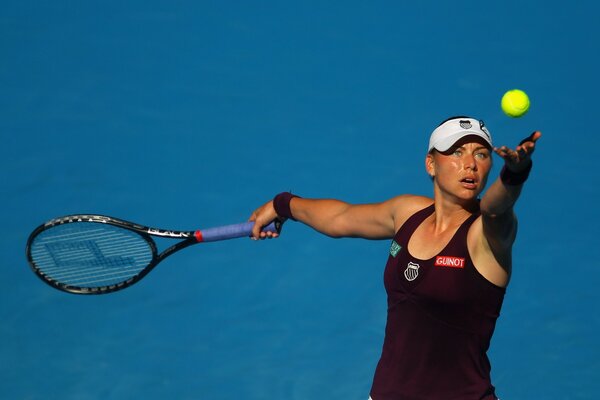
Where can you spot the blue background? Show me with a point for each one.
(186, 114)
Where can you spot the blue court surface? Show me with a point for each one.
(190, 114)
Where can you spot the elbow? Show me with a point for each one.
(496, 214)
(494, 210)
(489, 213)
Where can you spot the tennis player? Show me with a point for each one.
(449, 261)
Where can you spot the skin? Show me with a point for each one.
(459, 177)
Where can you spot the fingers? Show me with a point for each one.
(259, 234)
(507, 153)
(527, 145)
(522, 152)
(258, 224)
(531, 138)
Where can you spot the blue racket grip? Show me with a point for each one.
(233, 231)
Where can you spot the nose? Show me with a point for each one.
(470, 162)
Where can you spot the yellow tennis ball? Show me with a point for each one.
(515, 103)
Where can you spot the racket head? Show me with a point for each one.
(90, 254)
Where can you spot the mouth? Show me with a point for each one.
(469, 182)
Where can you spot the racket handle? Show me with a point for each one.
(233, 231)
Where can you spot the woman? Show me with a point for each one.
(449, 264)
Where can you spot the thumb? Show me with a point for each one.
(256, 227)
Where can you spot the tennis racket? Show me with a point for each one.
(96, 254)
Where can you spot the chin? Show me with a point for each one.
(469, 196)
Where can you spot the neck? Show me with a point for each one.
(450, 212)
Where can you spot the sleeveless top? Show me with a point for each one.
(441, 317)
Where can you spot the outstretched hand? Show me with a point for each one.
(519, 159)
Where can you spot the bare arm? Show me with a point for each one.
(498, 218)
(336, 218)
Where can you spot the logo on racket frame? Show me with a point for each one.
(166, 233)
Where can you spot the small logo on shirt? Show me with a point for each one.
(411, 272)
(449, 261)
(395, 248)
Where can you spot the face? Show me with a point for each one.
(461, 171)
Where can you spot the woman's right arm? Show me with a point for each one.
(336, 218)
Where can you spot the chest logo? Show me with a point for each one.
(411, 272)
(449, 261)
(395, 249)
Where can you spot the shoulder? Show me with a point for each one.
(404, 206)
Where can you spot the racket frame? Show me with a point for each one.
(188, 238)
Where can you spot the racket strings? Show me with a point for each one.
(90, 255)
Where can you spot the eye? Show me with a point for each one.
(482, 155)
(457, 152)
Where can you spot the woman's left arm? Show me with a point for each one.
(498, 218)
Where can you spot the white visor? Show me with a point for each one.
(451, 131)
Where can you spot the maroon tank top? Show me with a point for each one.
(441, 317)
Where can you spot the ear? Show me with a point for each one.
(430, 165)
